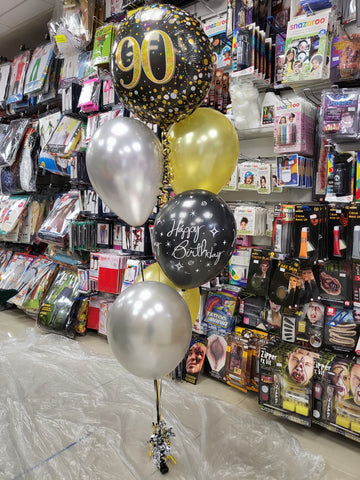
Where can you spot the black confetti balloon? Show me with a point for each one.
(194, 237)
(161, 64)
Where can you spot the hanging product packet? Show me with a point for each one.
(71, 26)
(54, 314)
(11, 211)
(34, 297)
(15, 269)
(308, 42)
(65, 136)
(39, 69)
(5, 70)
(339, 115)
(32, 276)
(12, 140)
(54, 230)
(19, 68)
(21, 176)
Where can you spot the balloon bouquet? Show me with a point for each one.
(162, 69)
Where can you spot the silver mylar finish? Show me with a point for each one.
(149, 329)
(125, 163)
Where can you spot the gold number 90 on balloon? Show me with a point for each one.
(140, 57)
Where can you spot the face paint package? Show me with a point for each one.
(340, 114)
(286, 381)
(337, 395)
(194, 359)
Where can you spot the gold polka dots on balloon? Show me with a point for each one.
(161, 64)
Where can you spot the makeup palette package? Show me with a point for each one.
(259, 272)
(239, 266)
(248, 176)
(194, 359)
(341, 329)
(305, 327)
(334, 280)
(308, 43)
(286, 381)
(250, 220)
(337, 395)
(252, 311)
(244, 50)
(279, 59)
(238, 361)
(339, 115)
(341, 174)
(294, 127)
(345, 58)
(219, 320)
(285, 284)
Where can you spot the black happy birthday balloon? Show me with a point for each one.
(194, 237)
(161, 63)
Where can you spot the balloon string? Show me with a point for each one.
(142, 270)
(158, 390)
(165, 193)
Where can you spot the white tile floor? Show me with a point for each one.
(341, 455)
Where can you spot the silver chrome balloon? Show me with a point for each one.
(125, 164)
(149, 329)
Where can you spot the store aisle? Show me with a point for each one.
(68, 410)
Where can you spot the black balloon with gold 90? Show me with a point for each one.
(161, 63)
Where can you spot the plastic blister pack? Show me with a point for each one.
(94, 421)
(71, 26)
(12, 141)
(340, 114)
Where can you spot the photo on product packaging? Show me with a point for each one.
(194, 358)
(216, 356)
(285, 285)
(259, 272)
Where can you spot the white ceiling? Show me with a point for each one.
(24, 22)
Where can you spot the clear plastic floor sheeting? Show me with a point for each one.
(67, 414)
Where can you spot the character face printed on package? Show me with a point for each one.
(245, 220)
(308, 42)
(248, 176)
(339, 113)
(300, 364)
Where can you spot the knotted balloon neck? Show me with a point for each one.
(165, 186)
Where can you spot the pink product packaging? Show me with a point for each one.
(293, 130)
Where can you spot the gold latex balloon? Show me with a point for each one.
(204, 149)
(191, 296)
